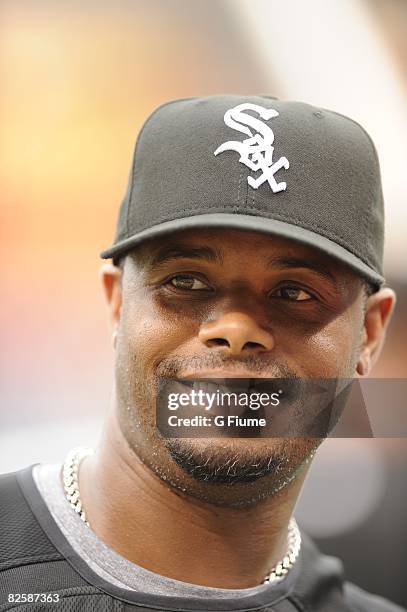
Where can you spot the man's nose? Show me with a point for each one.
(238, 333)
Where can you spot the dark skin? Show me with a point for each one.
(217, 303)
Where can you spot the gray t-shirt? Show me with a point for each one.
(107, 563)
(45, 546)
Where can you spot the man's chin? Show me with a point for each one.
(234, 461)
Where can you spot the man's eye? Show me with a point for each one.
(294, 294)
(185, 281)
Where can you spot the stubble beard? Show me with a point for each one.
(259, 468)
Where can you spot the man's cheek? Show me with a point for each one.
(151, 337)
(330, 353)
(325, 356)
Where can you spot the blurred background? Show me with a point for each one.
(77, 80)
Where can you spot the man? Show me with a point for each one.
(249, 244)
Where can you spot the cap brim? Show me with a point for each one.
(248, 223)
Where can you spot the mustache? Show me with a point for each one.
(265, 366)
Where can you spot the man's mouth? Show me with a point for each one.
(230, 381)
(220, 374)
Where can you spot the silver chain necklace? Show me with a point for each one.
(70, 474)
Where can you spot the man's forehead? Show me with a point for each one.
(217, 245)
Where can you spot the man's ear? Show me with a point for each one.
(111, 277)
(379, 308)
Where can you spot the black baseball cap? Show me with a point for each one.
(257, 163)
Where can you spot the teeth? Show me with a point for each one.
(188, 383)
(205, 386)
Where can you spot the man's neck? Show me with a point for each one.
(168, 532)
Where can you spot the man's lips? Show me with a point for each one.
(219, 374)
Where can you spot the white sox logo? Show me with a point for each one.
(256, 152)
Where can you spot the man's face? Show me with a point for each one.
(220, 304)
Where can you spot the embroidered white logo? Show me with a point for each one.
(256, 152)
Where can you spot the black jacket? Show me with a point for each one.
(36, 558)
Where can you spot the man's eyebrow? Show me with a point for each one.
(297, 262)
(168, 254)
